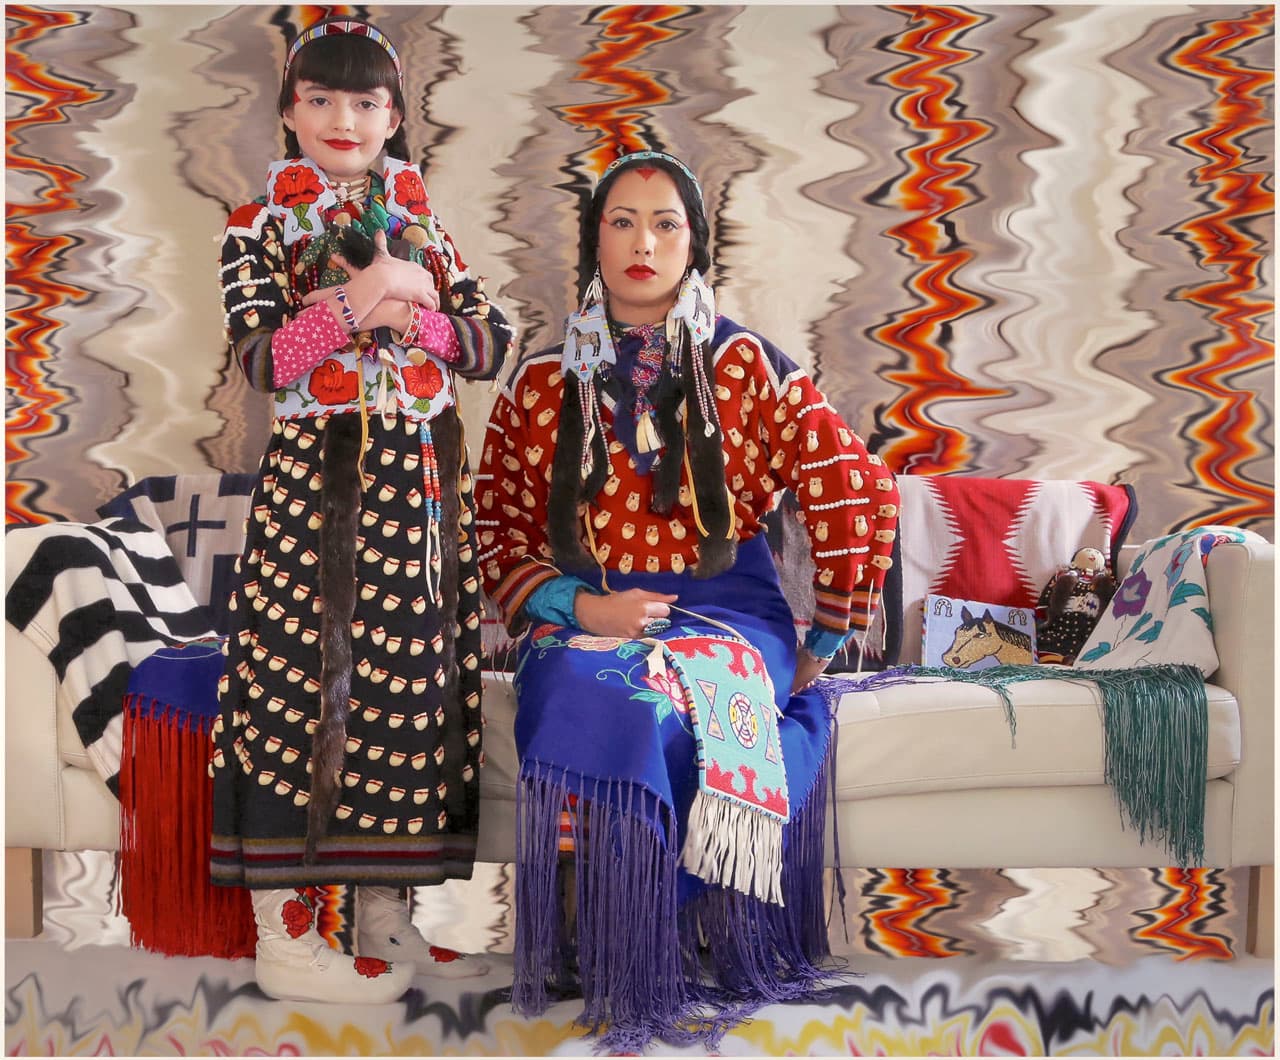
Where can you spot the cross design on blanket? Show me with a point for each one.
(194, 525)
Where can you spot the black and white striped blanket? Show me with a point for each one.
(98, 599)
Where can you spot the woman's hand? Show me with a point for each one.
(808, 669)
(623, 614)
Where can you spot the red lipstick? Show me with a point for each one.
(640, 272)
(342, 145)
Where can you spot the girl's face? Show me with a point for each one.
(342, 132)
(645, 245)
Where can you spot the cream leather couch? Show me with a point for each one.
(926, 774)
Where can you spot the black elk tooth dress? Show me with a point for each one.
(408, 785)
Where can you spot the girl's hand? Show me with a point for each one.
(391, 313)
(385, 277)
(623, 614)
(808, 669)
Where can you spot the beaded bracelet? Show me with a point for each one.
(348, 314)
(416, 318)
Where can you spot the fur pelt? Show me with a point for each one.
(340, 507)
(340, 504)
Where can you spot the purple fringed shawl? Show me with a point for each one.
(656, 952)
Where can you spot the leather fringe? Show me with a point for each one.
(340, 504)
(446, 432)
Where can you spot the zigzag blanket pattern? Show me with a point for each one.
(98, 599)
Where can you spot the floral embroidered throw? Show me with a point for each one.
(1160, 612)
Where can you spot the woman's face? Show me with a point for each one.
(645, 245)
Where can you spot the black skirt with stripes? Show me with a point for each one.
(407, 802)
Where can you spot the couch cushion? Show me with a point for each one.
(933, 735)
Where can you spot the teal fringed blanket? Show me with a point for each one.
(1155, 723)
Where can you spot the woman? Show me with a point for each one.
(669, 736)
(349, 743)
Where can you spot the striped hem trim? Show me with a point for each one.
(412, 860)
(831, 610)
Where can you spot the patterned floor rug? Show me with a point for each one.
(1062, 962)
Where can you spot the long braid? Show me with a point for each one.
(340, 505)
(717, 547)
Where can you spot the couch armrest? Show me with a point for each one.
(1241, 582)
(32, 795)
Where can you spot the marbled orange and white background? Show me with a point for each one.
(1008, 240)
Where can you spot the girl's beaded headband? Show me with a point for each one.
(339, 26)
(640, 156)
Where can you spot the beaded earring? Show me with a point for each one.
(695, 312)
(588, 344)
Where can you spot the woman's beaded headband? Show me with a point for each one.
(640, 156)
(340, 26)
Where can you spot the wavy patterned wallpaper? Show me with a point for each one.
(1026, 241)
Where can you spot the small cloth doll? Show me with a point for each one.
(1071, 604)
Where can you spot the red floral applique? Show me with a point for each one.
(423, 380)
(331, 385)
(296, 186)
(371, 967)
(443, 955)
(412, 194)
(297, 917)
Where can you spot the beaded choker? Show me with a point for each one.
(351, 190)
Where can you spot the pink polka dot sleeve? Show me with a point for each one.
(304, 342)
(435, 333)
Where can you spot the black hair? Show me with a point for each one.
(345, 62)
(690, 196)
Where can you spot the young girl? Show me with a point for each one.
(349, 742)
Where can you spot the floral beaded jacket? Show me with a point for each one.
(262, 283)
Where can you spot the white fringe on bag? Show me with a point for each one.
(734, 846)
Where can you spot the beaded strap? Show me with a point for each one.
(410, 335)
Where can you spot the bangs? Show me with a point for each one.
(347, 63)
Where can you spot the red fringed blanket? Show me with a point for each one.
(165, 803)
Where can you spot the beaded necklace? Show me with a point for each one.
(434, 501)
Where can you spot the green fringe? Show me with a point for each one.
(1155, 724)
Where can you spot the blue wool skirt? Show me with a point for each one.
(651, 946)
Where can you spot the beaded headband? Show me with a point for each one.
(640, 156)
(341, 26)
